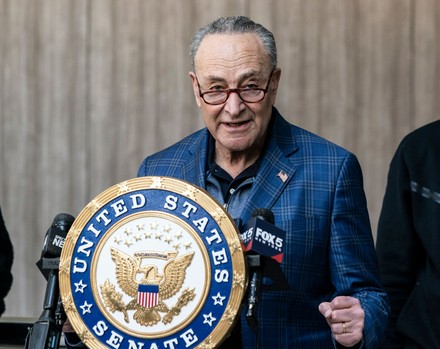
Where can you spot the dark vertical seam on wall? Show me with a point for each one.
(87, 131)
(412, 69)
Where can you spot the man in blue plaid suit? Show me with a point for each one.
(250, 157)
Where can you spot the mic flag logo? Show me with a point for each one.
(153, 262)
(264, 238)
(58, 241)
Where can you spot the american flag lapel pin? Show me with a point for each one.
(283, 176)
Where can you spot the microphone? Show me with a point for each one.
(46, 332)
(263, 242)
(54, 242)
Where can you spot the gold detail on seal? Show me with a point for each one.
(239, 280)
(64, 266)
(68, 303)
(93, 206)
(85, 335)
(123, 188)
(157, 183)
(190, 193)
(219, 215)
(234, 246)
(169, 283)
(73, 234)
(229, 315)
(207, 343)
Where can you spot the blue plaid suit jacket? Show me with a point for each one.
(315, 190)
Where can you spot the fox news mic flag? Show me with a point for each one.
(261, 236)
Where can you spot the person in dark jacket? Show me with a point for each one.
(408, 241)
(6, 257)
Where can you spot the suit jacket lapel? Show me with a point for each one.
(276, 169)
(195, 167)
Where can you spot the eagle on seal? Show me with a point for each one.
(169, 283)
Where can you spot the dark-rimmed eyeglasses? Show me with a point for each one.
(248, 95)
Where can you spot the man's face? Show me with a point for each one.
(225, 61)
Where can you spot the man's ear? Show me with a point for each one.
(195, 87)
(274, 84)
(276, 76)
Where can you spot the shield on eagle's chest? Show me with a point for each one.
(148, 295)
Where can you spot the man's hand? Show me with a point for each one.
(67, 327)
(345, 317)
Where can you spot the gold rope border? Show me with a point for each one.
(192, 192)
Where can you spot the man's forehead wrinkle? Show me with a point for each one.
(216, 70)
(221, 61)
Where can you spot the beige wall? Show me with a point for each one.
(88, 88)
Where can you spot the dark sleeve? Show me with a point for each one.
(6, 257)
(72, 341)
(398, 247)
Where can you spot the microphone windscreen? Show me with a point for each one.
(264, 214)
(63, 221)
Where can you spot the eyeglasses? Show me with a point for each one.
(248, 95)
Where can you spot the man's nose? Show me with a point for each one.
(234, 104)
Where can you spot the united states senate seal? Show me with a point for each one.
(152, 263)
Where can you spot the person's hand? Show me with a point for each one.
(67, 327)
(345, 317)
(71, 339)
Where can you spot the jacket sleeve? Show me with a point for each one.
(6, 257)
(354, 264)
(396, 241)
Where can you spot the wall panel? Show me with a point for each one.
(88, 88)
(43, 94)
(426, 62)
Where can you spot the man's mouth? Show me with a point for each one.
(236, 124)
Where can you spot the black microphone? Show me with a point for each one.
(263, 242)
(54, 242)
(46, 331)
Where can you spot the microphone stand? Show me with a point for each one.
(255, 262)
(46, 331)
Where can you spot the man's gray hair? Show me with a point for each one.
(235, 25)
